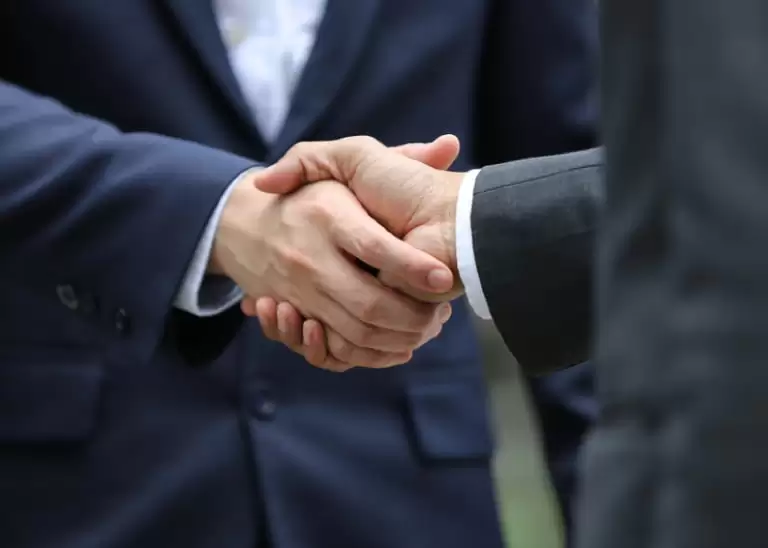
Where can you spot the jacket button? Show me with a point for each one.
(68, 296)
(122, 321)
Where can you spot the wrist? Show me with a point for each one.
(433, 228)
(215, 266)
(445, 212)
(242, 209)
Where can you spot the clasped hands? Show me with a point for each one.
(357, 268)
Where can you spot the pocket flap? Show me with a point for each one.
(451, 420)
(44, 402)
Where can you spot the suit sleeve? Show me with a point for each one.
(116, 215)
(533, 233)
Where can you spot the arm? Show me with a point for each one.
(533, 225)
(530, 224)
(117, 215)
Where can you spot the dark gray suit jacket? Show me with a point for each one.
(533, 230)
(678, 457)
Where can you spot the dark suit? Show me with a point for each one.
(126, 423)
(677, 459)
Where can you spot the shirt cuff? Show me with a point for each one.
(465, 253)
(206, 295)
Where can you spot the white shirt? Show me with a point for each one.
(269, 42)
(465, 252)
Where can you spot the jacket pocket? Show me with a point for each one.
(48, 395)
(450, 421)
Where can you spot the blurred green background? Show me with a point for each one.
(526, 499)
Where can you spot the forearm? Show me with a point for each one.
(533, 228)
(117, 214)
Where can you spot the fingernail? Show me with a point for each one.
(440, 280)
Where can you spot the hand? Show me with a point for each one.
(308, 337)
(412, 200)
(430, 226)
(297, 248)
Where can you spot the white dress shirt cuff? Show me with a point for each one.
(465, 253)
(201, 294)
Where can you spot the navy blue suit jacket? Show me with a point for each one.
(126, 423)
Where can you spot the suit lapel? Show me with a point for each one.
(340, 43)
(197, 22)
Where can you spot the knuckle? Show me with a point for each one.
(314, 360)
(295, 260)
(406, 342)
(340, 349)
(396, 341)
(369, 308)
(369, 246)
(413, 341)
(298, 149)
(365, 336)
(423, 317)
(367, 141)
(363, 141)
(304, 156)
(316, 210)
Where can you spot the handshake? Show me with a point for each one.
(356, 268)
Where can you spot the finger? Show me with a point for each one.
(367, 313)
(439, 154)
(313, 342)
(289, 325)
(333, 314)
(316, 345)
(435, 331)
(338, 160)
(316, 349)
(392, 280)
(326, 349)
(348, 353)
(248, 306)
(266, 310)
(282, 322)
(365, 239)
(317, 161)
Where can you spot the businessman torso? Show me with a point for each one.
(106, 443)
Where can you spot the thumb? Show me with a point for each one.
(283, 177)
(368, 241)
(312, 162)
(439, 154)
